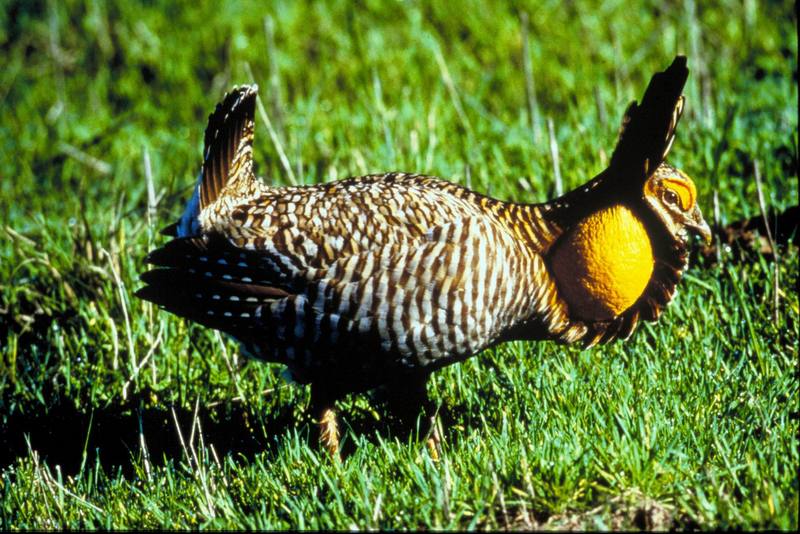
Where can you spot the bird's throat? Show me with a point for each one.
(603, 264)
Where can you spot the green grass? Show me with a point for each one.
(693, 422)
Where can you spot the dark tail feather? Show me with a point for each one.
(228, 306)
(648, 129)
(214, 257)
(227, 157)
(210, 282)
(170, 230)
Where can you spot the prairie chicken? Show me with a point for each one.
(382, 279)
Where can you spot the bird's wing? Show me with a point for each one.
(211, 282)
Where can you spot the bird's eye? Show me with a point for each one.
(670, 197)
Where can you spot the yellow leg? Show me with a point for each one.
(329, 432)
(434, 444)
(324, 414)
(434, 440)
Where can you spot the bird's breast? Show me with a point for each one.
(603, 264)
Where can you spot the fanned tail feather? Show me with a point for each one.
(228, 143)
(201, 276)
(227, 155)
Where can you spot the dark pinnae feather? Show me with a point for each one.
(648, 128)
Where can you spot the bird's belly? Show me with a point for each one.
(603, 264)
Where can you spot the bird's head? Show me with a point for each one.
(672, 195)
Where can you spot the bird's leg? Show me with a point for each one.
(433, 439)
(406, 399)
(323, 411)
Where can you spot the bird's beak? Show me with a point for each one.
(699, 226)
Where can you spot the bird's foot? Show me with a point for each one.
(434, 442)
(329, 432)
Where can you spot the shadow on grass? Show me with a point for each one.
(70, 437)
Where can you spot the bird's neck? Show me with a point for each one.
(544, 223)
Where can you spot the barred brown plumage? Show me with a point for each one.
(381, 279)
